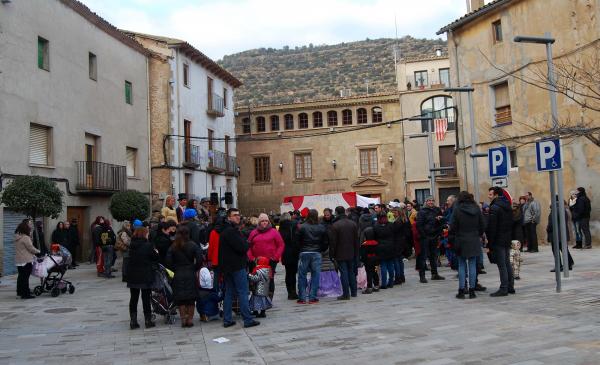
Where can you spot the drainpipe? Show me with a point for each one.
(462, 129)
(178, 123)
(149, 129)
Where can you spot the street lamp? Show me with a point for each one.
(557, 208)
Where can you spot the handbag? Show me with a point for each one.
(361, 278)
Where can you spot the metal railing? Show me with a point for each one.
(430, 82)
(232, 166)
(217, 160)
(192, 154)
(216, 105)
(446, 173)
(94, 176)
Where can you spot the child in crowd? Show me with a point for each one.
(260, 278)
(515, 258)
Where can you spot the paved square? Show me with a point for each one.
(412, 324)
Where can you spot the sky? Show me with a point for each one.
(222, 27)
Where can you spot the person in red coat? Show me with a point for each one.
(265, 241)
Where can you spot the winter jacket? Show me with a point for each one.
(104, 236)
(384, 235)
(499, 226)
(24, 250)
(582, 207)
(162, 242)
(312, 237)
(291, 251)
(73, 234)
(402, 237)
(466, 228)
(428, 224)
(213, 242)
(517, 225)
(184, 263)
(343, 239)
(142, 264)
(233, 249)
(532, 212)
(260, 279)
(364, 221)
(549, 228)
(169, 214)
(197, 231)
(267, 244)
(60, 236)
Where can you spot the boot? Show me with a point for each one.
(133, 324)
(461, 294)
(472, 293)
(190, 316)
(148, 320)
(436, 276)
(422, 278)
(479, 287)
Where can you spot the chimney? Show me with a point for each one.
(473, 5)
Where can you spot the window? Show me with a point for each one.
(317, 120)
(502, 104)
(187, 184)
(131, 162)
(421, 195)
(209, 92)
(43, 54)
(497, 31)
(331, 118)
(361, 115)
(368, 161)
(445, 76)
(225, 96)
(187, 133)
(246, 126)
(186, 75)
(93, 66)
(128, 91)
(303, 163)
(210, 138)
(438, 107)
(421, 79)
(514, 163)
(289, 121)
(377, 115)
(347, 117)
(261, 125)
(262, 169)
(39, 144)
(274, 122)
(303, 121)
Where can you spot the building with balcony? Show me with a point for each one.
(70, 89)
(192, 122)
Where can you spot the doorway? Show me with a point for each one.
(78, 213)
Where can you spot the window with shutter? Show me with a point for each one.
(43, 54)
(131, 161)
(368, 162)
(39, 144)
(502, 100)
(128, 91)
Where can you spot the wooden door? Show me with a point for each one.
(187, 132)
(448, 159)
(78, 213)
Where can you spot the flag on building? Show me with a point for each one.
(441, 126)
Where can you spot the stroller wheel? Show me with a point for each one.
(55, 292)
(38, 290)
(71, 289)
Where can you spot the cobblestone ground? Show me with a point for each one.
(412, 324)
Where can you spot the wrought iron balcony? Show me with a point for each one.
(216, 105)
(446, 173)
(232, 166)
(217, 161)
(191, 155)
(100, 178)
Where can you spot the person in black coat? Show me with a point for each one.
(383, 233)
(291, 253)
(549, 231)
(73, 234)
(184, 258)
(517, 223)
(498, 233)
(163, 239)
(581, 215)
(429, 227)
(143, 259)
(466, 228)
(60, 235)
(402, 242)
(343, 248)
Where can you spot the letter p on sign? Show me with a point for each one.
(498, 161)
(549, 155)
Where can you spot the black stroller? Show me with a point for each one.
(162, 299)
(54, 271)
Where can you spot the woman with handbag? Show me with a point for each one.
(24, 256)
(184, 258)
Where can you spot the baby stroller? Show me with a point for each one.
(162, 299)
(51, 269)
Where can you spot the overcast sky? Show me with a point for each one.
(221, 27)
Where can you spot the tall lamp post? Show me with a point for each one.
(557, 205)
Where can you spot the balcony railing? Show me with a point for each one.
(216, 105)
(232, 166)
(217, 161)
(95, 177)
(192, 155)
(446, 173)
(429, 83)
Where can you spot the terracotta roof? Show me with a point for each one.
(103, 25)
(473, 15)
(444, 56)
(194, 54)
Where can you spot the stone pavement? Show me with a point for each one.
(412, 324)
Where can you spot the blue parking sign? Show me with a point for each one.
(498, 161)
(549, 155)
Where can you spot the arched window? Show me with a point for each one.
(317, 120)
(377, 115)
(261, 126)
(246, 126)
(274, 122)
(361, 115)
(303, 121)
(438, 107)
(331, 118)
(289, 121)
(346, 117)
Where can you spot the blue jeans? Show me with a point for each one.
(107, 254)
(462, 268)
(399, 267)
(348, 277)
(236, 283)
(578, 233)
(309, 261)
(387, 268)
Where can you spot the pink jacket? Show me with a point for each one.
(268, 244)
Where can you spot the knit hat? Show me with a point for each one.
(190, 213)
(137, 223)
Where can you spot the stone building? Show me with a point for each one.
(511, 100)
(68, 90)
(355, 143)
(192, 123)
